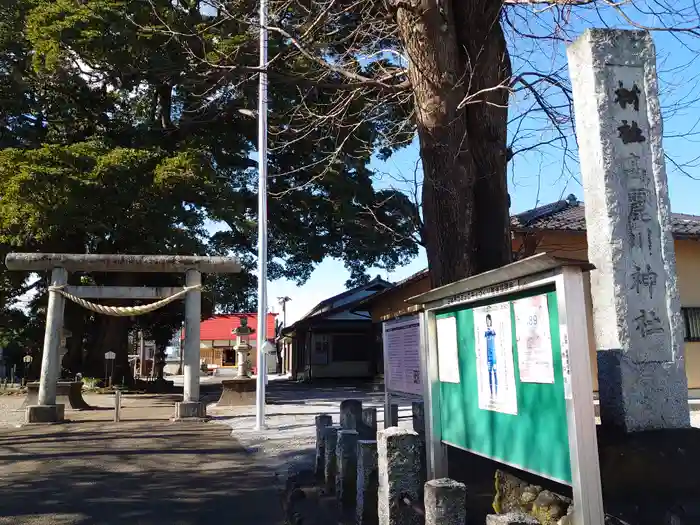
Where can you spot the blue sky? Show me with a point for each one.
(546, 174)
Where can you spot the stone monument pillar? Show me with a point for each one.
(636, 308)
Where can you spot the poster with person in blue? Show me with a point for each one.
(494, 356)
(490, 335)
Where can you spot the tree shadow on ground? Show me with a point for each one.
(137, 473)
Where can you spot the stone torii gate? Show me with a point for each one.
(47, 411)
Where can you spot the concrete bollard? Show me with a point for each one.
(445, 502)
(346, 475)
(367, 483)
(399, 476)
(368, 430)
(418, 414)
(350, 414)
(418, 417)
(512, 518)
(322, 421)
(330, 468)
(393, 419)
(117, 406)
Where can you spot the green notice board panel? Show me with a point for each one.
(536, 438)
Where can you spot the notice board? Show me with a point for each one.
(402, 372)
(489, 408)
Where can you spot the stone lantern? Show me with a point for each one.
(241, 389)
(63, 348)
(243, 347)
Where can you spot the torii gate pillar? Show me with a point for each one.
(191, 407)
(47, 410)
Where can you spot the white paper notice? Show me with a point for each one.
(494, 359)
(448, 354)
(535, 358)
(402, 344)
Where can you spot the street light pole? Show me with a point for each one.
(282, 353)
(262, 221)
(283, 303)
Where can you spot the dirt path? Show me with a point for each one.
(145, 470)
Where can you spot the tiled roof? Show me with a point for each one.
(569, 215)
(398, 285)
(221, 326)
(341, 300)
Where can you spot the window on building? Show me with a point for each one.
(351, 347)
(691, 323)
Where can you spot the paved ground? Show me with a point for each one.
(147, 470)
(144, 470)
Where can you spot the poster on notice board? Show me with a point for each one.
(494, 359)
(535, 357)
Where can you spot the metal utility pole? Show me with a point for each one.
(262, 221)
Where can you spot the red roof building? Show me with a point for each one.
(222, 326)
(217, 339)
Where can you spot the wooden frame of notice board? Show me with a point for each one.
(503, 386)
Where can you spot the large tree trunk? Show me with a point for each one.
(456, 50)
(75, 322)
(112, 335)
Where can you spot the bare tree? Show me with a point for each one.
(368, 76)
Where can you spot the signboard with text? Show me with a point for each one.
(402, 351)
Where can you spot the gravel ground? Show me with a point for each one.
(290, 415)
(10, 413)
(291, 411)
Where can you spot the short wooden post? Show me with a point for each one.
(322, 421)
(392, 418)
(346, 474)
(367, 483)
(330, 436)
(418, 413)
(117, 405)
(368, 429)
(350, 414)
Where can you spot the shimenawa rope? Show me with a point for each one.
(122, 311)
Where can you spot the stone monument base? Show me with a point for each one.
(190, 411)
(237, 392)
(641, 396)
(68, 393)
(36, 414)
